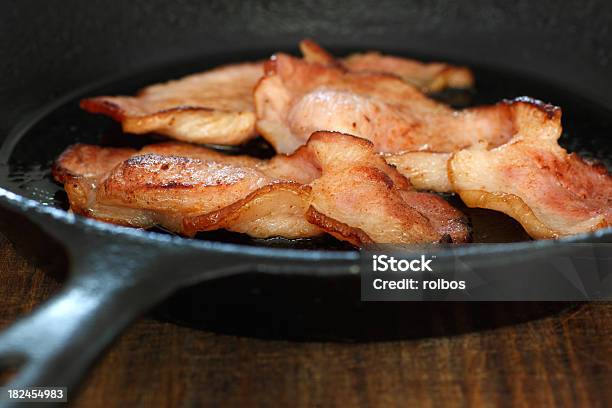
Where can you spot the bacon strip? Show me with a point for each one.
(429, 77)
(214, 107)
(297, 98)
(531, 178)
(166, 184)
(313, 52)
(336, 183)
(427, 170)
(361, 199)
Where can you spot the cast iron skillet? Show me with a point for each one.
(118, 273)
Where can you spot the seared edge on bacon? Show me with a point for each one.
(214, 106)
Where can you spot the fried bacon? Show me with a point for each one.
(361, 199)
(313, 52)
(335, 184)
(214, 107)
(425, 170)
(296, 98)
(429, 77)
(169, 184)
(360, 188)
(531, 178)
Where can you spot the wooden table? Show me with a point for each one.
(562, 358)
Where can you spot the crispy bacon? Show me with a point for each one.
(214, 106)
(361, 199)
(531, 178)
(296, 98)
(168, 184)
(429, 77)
(335, 184)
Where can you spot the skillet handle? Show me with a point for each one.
(60, 340)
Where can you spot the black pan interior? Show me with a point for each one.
(27, 155)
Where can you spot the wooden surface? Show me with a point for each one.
(562, 359)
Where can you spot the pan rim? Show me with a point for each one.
(26, 205)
